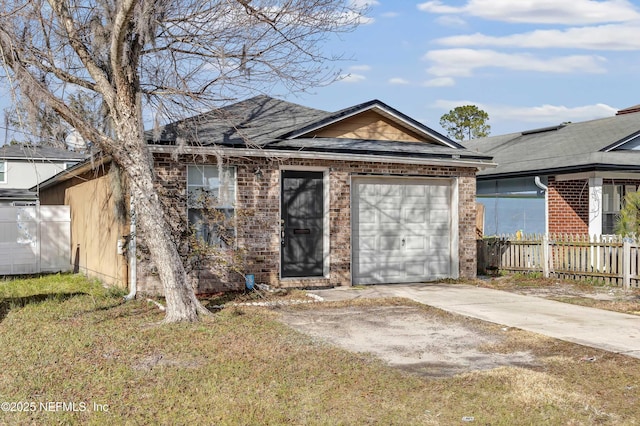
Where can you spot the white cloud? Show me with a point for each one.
(360, 68)
(542, 114)
(603, 37)
(398, 81)
(364, 3)
(440, 82)
(354, 74)
(551, 113)
(390, 14)
(352, 78)
(462, 62)
(541, 11)
(453, 21)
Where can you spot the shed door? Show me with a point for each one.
(302, 224)
(401, 230)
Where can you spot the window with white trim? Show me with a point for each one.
(612, 203)
(3, 172)
(211, 197)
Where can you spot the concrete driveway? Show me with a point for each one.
(596, 328)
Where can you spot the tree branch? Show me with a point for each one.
(118, 35)
(97, 73)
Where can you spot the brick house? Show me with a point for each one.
(361, 196)
(570, 178)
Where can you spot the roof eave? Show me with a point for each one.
(452, 161)
(560, 170)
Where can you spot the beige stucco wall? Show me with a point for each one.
(95, 230)
(368, 125)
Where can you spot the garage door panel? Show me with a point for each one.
(415, 215)
(390, 215)
(439, 216)
(365, 243)
(389, 190)
(413, 243)
(392, 243)
(439, 243)
(415, 271)
(368, 215)
(439, 268)
(401, 230)
(419, 191)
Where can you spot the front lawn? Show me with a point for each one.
(73, 353)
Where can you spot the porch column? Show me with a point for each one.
(595, 206)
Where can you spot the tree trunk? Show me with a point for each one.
(132, 154)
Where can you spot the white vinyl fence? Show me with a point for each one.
(34, 239)
(610, 259)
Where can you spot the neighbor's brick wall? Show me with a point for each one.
(568, 206)
(258, 229)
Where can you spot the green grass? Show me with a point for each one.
(65, 339)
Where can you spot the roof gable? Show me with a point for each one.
(368, 125)
(628, 143)
(373, 120)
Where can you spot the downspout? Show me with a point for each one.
(132, 252)
(545, 188)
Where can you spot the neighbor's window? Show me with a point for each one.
(3, 171)
(211, 196)
(612, 203)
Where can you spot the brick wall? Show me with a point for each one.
(568, 206)
(258, 204)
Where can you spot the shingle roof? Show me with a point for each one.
(255, 121)
(29, 152)
(571, 147)
(266, 122)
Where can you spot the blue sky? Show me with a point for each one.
(528, 63)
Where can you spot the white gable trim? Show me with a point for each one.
(634, 139)
(386, 112)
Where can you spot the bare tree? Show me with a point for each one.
(176, 56)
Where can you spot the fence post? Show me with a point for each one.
(626, 263)
(545, 255)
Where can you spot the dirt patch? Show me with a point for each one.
(408, 337)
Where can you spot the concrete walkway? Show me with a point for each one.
(596, 328)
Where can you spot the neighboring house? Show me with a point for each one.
(588, 167)
(359, 196)
(24, 166)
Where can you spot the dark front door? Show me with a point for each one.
(302, 224)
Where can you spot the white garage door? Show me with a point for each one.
(402, 230)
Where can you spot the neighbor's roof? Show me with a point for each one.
(40, 153)
(594, 145)
(268, 123)
(17, 195)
